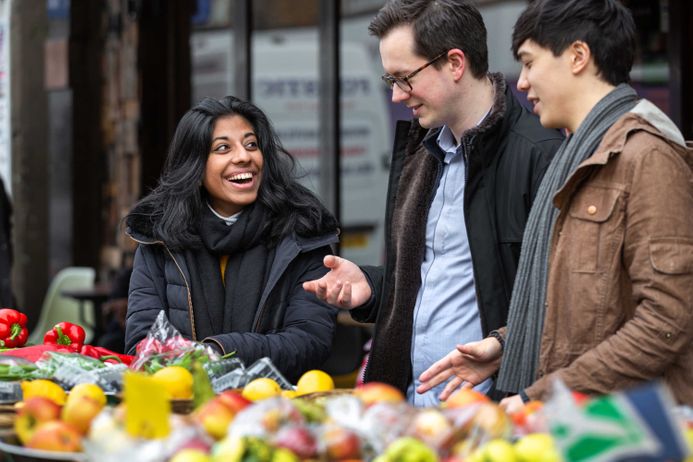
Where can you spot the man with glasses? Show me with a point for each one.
(463, 177)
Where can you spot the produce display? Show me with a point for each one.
(179, 401)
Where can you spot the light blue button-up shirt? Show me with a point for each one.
(446, 311)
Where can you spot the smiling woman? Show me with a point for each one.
(226, 240)
(234, 166)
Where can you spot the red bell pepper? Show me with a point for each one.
(105, 355)
(13, 331)
(65, 333)
(35, 352)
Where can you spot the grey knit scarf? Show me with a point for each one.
(526, 313)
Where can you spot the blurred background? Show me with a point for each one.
(91, 91)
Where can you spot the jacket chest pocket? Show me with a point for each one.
(594, 228)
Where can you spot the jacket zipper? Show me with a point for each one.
(482, 318)
(261, 310)
(191, 317)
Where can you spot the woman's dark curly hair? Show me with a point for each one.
(170, 212)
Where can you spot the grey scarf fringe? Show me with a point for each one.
(526, 314)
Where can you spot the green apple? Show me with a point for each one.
(497, 450)
(229, 449)
(408, 449)
(536, 447)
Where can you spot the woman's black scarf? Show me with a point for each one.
(221, 308)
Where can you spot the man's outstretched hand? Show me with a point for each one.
(468, 365)
(344, 286)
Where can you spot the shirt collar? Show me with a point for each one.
(446, 140)
(228, 220)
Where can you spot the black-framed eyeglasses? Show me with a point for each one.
(403, 82)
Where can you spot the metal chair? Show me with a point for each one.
(57, 308)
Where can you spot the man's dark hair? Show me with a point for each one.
(606, 26)
(438, 26)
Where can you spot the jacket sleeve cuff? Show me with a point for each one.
(215, 344)
(540, 389)
(368, 311)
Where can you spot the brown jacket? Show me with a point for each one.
(620, 288)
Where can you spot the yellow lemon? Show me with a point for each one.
(314, 381)
(44, 388)
(90, 390)
(177, 380)
(261, 388)
(289, 394)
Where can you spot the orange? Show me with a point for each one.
(314, 381)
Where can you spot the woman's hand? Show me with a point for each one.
(344, 286)
(468, 365)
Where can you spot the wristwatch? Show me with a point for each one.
(497, 335)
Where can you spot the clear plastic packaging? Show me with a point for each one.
(165, 346)
(384, 422)
(233, 379)
(109, 442)
(70, 369)
(240, 376)
(265, 418)
(15, 368)
(264, 367)
(10, 392)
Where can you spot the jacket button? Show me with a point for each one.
(592, 209)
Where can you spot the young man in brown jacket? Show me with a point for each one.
(603, 298)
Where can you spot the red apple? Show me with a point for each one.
(234, 400)
(491, 419)
(197, 442)
(297, 439)
(215, 417)
(431, 427)
(378, 392)
(340, 443)
(79, 412)
(55, 436)
(34, 411)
